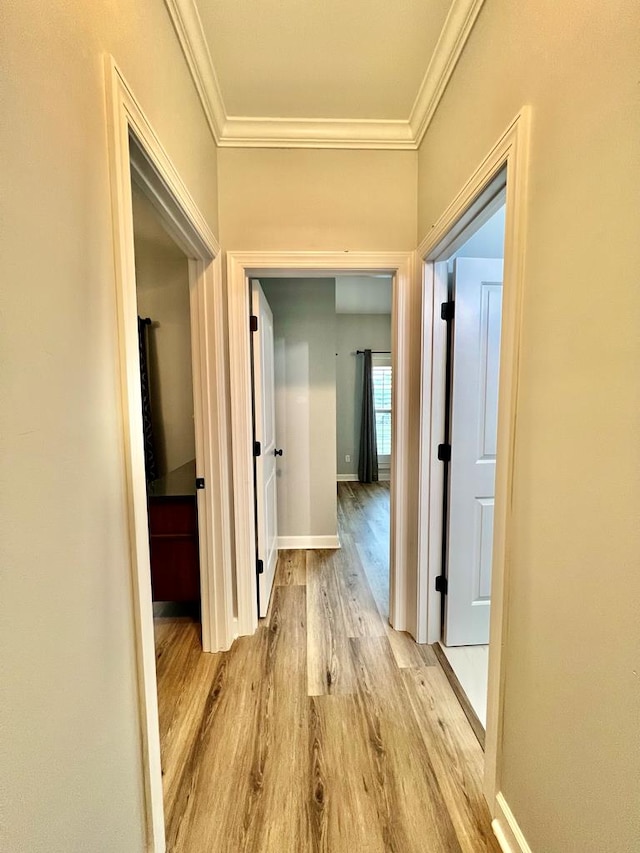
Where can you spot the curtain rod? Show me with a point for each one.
(373, 352)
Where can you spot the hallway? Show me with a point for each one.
(325, 731)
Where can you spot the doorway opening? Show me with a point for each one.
(137, 159)
(166, 380)
(166, 387)
(243, 267)
(322, 406)
(471, 313)
(499, 180)
(365, 421)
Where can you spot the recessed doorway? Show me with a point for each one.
(498, 182)
(472, 314)
(322, 406)
(244, 267)
(166, 380)
(138, 159)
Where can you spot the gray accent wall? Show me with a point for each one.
(304, 323)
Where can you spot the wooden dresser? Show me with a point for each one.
(173, 535)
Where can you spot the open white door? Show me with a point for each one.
(474, 414)
(265, 433)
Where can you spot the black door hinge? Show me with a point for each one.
(448, 310)
(444, 452)
(442, 584)
(260, 567)
(199, 482)
(257, 448)
(253, 323)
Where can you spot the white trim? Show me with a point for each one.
(347, 478)
(240, 265)
(305, 543)
(276, 132)
(135, 152)
(506, 829)
(453, 37)
(188, 26)
(510, 152)
(250, 132)
(434, 343)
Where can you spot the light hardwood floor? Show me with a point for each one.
(326, 730)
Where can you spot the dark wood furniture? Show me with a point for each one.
(173, 535)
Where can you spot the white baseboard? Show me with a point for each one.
(304, 543)
(506, 829)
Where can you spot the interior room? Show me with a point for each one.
(162, 289)
(364, 424)
(475, 273)
(322, 328)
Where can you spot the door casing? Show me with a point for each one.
(136, 153)
(505, 165)
(241, 266)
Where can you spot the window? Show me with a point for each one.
(382, 385)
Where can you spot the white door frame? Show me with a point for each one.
(508, 156)
(137, 154)
(241, 266)
(433, 389)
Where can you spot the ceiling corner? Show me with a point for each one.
(275, 132)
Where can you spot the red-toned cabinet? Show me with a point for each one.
(173, 536)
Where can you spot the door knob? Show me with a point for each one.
(277, 452)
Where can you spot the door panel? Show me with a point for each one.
(474, 413)
(265, 433)
(483, 544)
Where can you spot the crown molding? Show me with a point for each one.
(188, 26)
(315, 133)
(453, 37)
(256, 132)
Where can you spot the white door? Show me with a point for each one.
(265, 433)
(474, 414)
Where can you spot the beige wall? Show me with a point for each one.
(354, 332)
(314, 199)
(304, 318)
(70, 740)
(571, 766)
(162, 285)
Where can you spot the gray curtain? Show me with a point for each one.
(150, 463)
(368, 459)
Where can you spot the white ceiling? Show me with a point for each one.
(330, 73)
(344, 59)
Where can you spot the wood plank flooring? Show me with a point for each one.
(327, 731)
